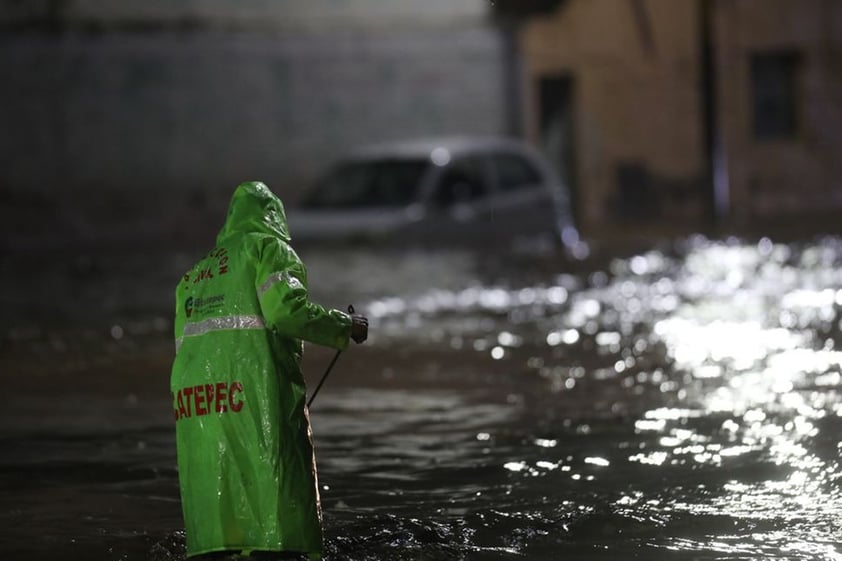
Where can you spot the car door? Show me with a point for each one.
(524, 200)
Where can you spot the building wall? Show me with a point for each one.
(636, 98)
(641, 101)
(801, 174)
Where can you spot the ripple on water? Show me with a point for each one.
(682, 403)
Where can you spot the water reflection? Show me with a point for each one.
(683, 403)
(739, 339)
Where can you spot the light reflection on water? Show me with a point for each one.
(683, 403)
(737, 458)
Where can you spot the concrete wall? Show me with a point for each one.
(133, 111)
(296, 15)
(112, 113)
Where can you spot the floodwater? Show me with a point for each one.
(681, 402)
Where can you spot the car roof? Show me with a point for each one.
(423, 147)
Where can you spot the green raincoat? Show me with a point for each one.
(245, 457)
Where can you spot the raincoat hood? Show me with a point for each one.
(255, 209)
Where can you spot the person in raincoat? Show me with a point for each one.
(245, 457)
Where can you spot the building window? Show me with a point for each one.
(774, 85)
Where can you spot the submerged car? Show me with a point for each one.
(437, 191)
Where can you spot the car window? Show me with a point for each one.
(462, 181)
(370, 183)
(514, 172)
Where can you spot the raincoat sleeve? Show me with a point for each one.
(282, 290)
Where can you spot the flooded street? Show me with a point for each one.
(681, 402)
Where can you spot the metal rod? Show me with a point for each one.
(329, 368)
(322, 381)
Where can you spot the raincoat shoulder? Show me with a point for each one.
(280, 276)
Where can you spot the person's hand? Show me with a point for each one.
(359, 328)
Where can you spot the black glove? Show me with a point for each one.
(359, 328)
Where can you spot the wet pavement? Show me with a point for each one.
(678, 402)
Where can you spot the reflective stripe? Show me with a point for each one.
(227, 322)
(275, 278)
(217, 324)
